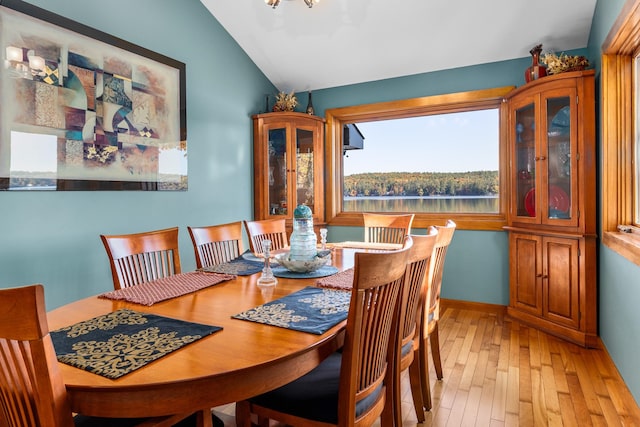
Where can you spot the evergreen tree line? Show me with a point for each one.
(477, 183)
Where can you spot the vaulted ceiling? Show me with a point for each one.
(342, 42)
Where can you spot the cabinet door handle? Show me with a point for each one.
(545, 276)
(540, 158)
(538, 275)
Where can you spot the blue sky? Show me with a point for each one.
(453, 142)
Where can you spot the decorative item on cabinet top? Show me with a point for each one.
(310, 110)
(562, 63)
(536, 70)
(285, 102)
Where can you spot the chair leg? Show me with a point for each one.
(204, 418)
(396, 404)
(243, 414)
(416, 388)
(435, 351)
(423, 355)
(389, 412)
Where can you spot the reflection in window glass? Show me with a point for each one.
(436, 163)
(34, 161)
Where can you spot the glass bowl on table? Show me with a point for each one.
(306, 265)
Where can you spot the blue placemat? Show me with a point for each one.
(239, 266)
(118, 343)
(311, 309)
(325, 270)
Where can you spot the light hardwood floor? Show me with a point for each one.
(499, 372)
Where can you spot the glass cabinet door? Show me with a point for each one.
(305, 187)
(277, 167)
(559, 154)
(288, 161)
(525, 158)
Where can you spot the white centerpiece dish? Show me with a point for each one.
(303, 265)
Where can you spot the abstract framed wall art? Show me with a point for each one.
(83, 110)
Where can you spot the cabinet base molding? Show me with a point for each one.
(577, 337)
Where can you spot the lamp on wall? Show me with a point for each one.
(275, 3)
(36, 63)
(15, 59)
(14, 54)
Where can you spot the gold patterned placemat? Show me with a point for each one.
(115, 344)
(238, 266)
(311, 309)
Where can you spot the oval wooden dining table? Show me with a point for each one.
(245, 358)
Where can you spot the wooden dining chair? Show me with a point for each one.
(351, 387)
(142, 257)
(267, 229)
(431, 314)
(216, 244)
(414, 295)
(386, 228)
(32, 390)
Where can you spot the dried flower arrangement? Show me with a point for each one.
(561, 63)
(285, 102)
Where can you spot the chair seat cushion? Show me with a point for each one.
(406, 349)
(313, 396)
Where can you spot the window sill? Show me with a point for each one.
(625, 244)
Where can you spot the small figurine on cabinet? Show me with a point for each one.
(536, 70)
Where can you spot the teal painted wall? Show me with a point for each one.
(619, 279)
(53, 237)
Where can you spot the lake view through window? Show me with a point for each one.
(435, 163)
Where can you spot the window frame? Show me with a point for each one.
(430, 105)
(619, 110)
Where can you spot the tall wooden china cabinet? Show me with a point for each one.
(288, 159)
(552, 209)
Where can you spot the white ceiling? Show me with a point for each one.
(341, 42)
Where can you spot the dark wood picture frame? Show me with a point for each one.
(83, 110)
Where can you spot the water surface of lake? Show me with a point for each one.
(457, 204)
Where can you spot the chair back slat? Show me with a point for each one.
(32, 389)
(219, 252)
(436, 268)
(216, 244)
(32, 392)
(385, 235)
(142, 257)
(386, 228)
(415, 288)
(270, 229)
(371, 327)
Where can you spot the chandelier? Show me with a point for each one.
(275, 3)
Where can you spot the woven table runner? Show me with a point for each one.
(149, 293)
(342, 280)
